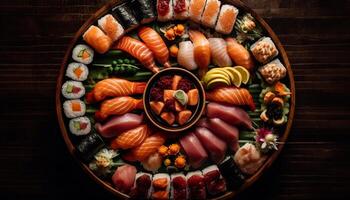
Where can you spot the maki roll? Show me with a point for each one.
(74, 108)
(234, 177)
(227, 19)
(89, 146)
(73, 90)
(161, 186)
(213, 180)
(142, 186)
(165, 10)
(96, 38)
(273, 71)
(178, 186)
(181, 9)
(125, 16)
(196, 185)
(211, 13)
(144, 11)
(77, 71)
(111, 27)
(83, 54)
(80, 126)
(264, 50)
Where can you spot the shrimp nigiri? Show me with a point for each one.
(115, 87)
(118, 106)
(231, 95)
(185, 56)
(201, 51)
(239, 54)
(156, 44)
(139, 51)
(149, 146)
(219, 53)
(131, 138)
(96, 38)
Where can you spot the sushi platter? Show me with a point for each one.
(175, 99)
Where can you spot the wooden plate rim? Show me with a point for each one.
(104, 9)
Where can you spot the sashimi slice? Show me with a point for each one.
(194, 150)
(219, 55)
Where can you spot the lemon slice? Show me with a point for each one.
(217, 82)
(236, 78)
(244, 73)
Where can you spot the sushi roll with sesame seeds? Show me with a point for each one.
(74, 108)
(80, 126)
(83, 54)
(227, 19)
(73, 90)
(77, 71)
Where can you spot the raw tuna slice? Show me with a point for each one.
(194, 150)
(215, 147)
(225, 131)
(119, 124)
(124, 177)
(230, 114)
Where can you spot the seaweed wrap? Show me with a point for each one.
(233, 175)
(126, 16)
(144, 11)
(89, 146)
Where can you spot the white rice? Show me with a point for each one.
(190, 174)
(72, 67)
(78, 132)
(221, 28)
(113, 35)
(67, 108)
(162, 175)
(169, 16)
(210, 169)
(211, 23)
(70, 95)
(77, 50)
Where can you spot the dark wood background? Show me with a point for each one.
(34, 162)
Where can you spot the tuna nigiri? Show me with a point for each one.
(118, 106)
(118, 124)
(149, 146)
(201, 51)
(139, 51)
(96, 38)
(165, 10)
(131, 138)
(239, 54)
(181, 9)
(156, 44)
(185, 56)
(219, 53)
(227, 19)
(115, 87)
(232, 95)
(196, 9)
(211, 13)
(124, 177)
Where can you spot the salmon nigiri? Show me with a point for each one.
(239, 54)
(231, 95)
(115, 87)
(131, 138)
(185, 56)
(211, 13)
(96, 38)
(156, 44)
(139, 51)
(219, 53)
(118, 106)
(201, 51)
(196, 9)
(149, 146)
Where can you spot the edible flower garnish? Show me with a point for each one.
(103, 161)
(266, 140)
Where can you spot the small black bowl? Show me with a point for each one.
(196, 111)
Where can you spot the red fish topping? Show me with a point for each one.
(163, 7)
(180, 6)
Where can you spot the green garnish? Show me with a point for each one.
(69, 88)
(76, 125)
(181, 97)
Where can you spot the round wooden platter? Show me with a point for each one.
(241, 6)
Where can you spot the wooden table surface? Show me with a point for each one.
(34, 162)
